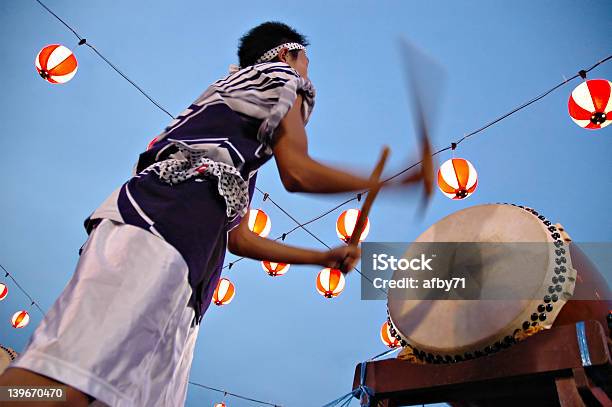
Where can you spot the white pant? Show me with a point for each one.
(120, 331)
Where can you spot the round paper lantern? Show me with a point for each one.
(220, 405)
(3, 291)
(7, 355)
(330, 282)
(457, 178)
(20, 319)
(386, 337)
(590, 105)
(346, 224)
(275, 269)
(259, 222)
(56, 63)
(224, 293)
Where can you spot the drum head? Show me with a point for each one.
(458, 325)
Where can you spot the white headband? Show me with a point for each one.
(273, 53)
(270, 55)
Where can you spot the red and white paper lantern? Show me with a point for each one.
(259, 222)
(345, 225)
(56, 64)
(590, 104)
(274, 269)
(3, 291)
(457, 178)
(20, 319)
(224, 293)
(386, 337)
(330, 282)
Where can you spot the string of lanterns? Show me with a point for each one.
(21, 318)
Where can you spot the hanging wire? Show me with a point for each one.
(32, 302)
(300, 225)
(128, 79)
(59, 18)
(225, 392)
(83, 41)
(581, 73)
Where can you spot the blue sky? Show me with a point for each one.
(65, 148)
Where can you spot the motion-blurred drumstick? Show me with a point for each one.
(426, 175)
(365, 209)
(427, 168)
(422, 73)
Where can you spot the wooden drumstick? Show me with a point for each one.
(365, 209)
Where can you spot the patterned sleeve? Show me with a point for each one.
(238, 218)
(293, 84)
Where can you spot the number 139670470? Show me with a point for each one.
(32, 393)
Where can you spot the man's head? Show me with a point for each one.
(267, 36)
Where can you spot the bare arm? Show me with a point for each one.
(299, 172)
(243, 242)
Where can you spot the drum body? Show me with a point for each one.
(442, 331)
